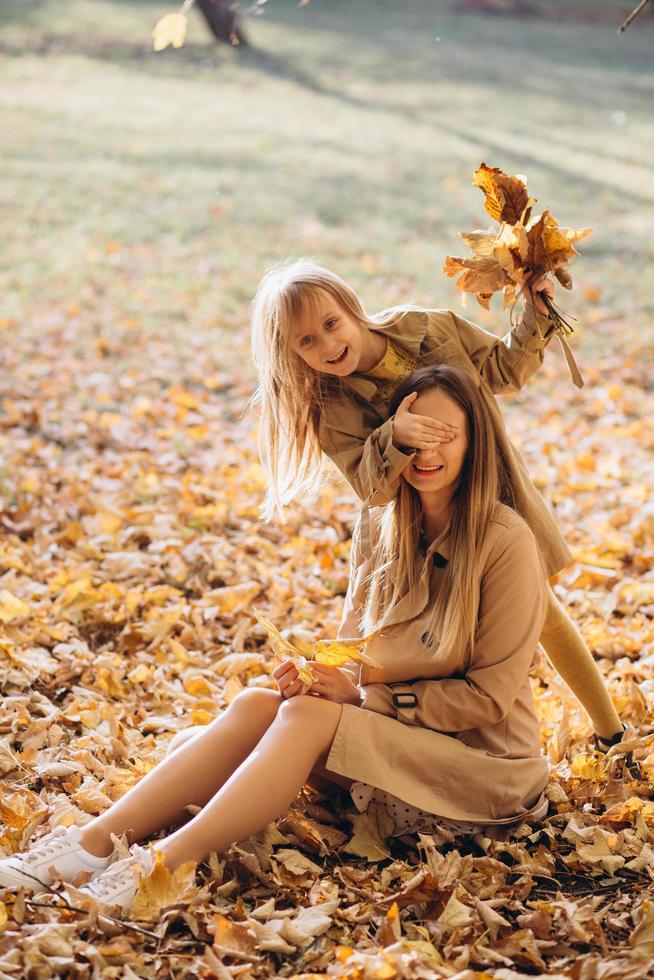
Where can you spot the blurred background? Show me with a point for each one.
(149, 191)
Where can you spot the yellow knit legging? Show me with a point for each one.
(572, 659)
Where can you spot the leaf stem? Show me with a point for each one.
(558, 315)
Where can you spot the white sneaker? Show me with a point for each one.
(57, 856)
(117, 886)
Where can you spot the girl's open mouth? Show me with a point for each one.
(428, 469)
(339, 357)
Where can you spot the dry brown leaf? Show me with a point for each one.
(162, 887)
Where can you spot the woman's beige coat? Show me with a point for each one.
(470, 750)
(357, 434)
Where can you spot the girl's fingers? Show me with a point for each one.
(436, 424)
(407, 402)
(543, 285)
(427, 440)
(437, 435)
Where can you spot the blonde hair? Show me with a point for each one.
(291, 395)
(482, 482)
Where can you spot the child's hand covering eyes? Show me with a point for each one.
(418, 431)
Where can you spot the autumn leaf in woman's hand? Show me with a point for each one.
(280, 646)
(334, 653)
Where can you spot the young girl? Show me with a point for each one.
(443, 734)
(326, 372)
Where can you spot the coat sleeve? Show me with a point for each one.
(511, 614)
(372, 465)
(506, 363)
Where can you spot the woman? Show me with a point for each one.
(450, 579)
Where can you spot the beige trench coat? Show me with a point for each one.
(470, 750)
(357, 434)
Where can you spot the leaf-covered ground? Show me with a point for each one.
(131, 556)
(142, 198)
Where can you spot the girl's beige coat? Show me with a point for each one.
(470, 750)
(357, 434)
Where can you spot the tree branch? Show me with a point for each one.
(632, 16)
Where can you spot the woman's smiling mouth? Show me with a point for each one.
(339, 357)
(428, 469)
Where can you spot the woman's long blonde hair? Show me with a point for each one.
(482, 482)
(291, 395)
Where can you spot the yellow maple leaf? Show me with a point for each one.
(170, 29)
(525, 248)
(19, 810)
(371, 831)
(454, 915)
(140, 673)
(74, 590)
(336, 653)
(333, 653)
(280, 646)
(585, 766)
(229, 598)
(506, 197)
(12, 608)
(233, 937)
(162, 887)
(480, 242)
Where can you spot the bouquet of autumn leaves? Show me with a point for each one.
(525, 247)
(334, 653)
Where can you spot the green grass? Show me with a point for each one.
(160, 186)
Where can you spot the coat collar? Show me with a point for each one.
(408, 331)
(440, 548)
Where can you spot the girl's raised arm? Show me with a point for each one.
(506, 363)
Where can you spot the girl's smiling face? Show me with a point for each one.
(326, 338)
(437, 470)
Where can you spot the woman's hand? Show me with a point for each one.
(418, 431)
(331, 683)
(537, 286)
(288, 679)
(334, 684)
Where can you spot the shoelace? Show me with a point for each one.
(120, 874)
(49, 846)
(114, 878)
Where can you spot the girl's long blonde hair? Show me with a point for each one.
(482, 482)
(291, 395)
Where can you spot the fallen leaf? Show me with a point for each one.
(170, 29)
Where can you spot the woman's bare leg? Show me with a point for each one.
(264, 785)
(191, 774)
